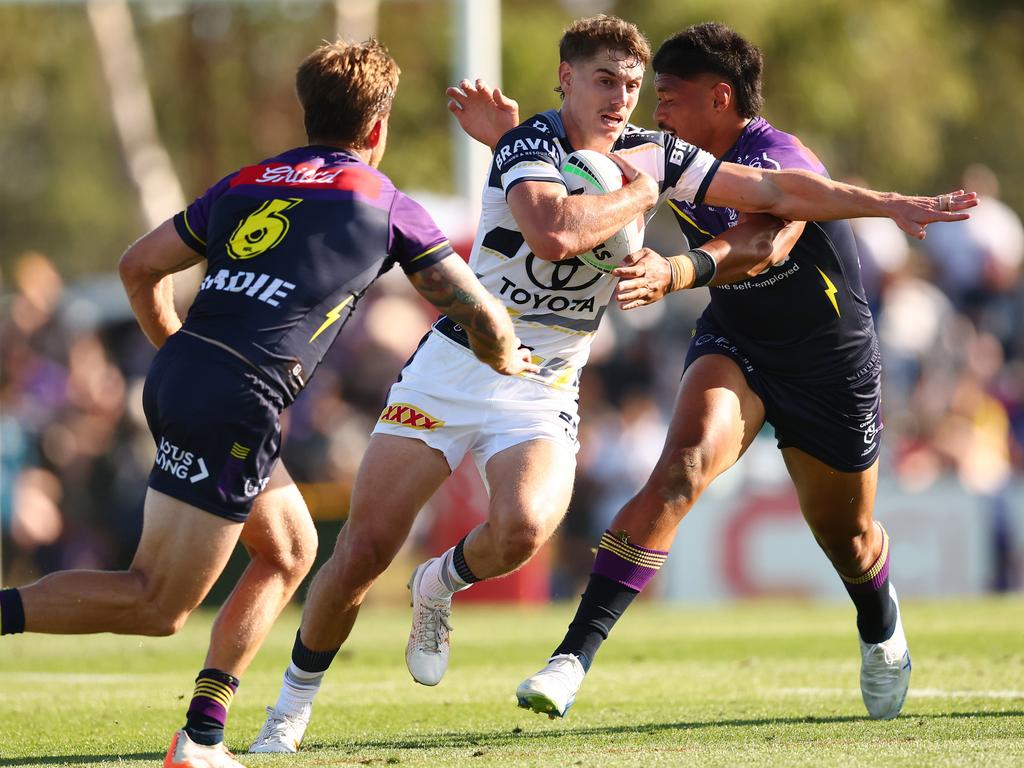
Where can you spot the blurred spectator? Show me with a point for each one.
(978, 261)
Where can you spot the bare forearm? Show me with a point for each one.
(152, 301)
(571, 225)
(751, 247)
(453, 289)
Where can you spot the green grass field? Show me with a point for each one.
(757, 684)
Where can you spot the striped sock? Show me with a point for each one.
(876, 611)
(621, 571)
(458, 570)
(12, 612)
(628, 564)
(208, 711)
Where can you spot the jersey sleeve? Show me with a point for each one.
(783, 152)
(192, 222)
(688, 171)
(526, 153)
(415, 241)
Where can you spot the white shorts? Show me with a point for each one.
(456, 404)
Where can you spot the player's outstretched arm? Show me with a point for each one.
(484, 113)
(757, 243)
(451, 286)
(804, 196)
(146, 269)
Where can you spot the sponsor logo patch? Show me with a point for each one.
(406, 415)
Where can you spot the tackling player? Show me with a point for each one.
(522, 432)
(787, 339)
(291, 244)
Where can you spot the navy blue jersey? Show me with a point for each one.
(808, 316)
(291, 244)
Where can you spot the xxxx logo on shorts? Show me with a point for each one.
(406, 415)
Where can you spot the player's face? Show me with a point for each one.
(600, 95)
(686, 107)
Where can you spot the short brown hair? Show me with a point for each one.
(343, 88)
(588, 37)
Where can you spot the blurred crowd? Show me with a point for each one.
(75, 452)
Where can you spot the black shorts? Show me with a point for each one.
(216, 426)
(837, 421)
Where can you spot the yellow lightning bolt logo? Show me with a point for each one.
(332, 317)
(830, 290)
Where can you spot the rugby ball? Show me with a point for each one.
(586, 172)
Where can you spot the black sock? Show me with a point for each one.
(12, 612)
(461, 566)
(876, 610)
(208, 711)
(602, 604)
(311, 661)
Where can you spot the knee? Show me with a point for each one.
(678, 480)
(849, 548)
(292, 551)
(518, 542)
(359, 559)
(156, 614)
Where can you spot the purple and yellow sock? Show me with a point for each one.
(621, 571)
(208, 711)
(628, 564)
(876, 611)
(12, 612)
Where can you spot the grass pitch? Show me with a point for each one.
(760, 684)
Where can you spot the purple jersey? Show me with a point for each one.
(291, 244)
(808, 316)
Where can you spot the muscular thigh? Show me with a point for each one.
(396, 477)
(716, 416)
(279, 525)
(835, 504)
(531, 483)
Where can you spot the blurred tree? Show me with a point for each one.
(904, 94)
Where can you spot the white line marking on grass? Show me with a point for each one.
(916, 693)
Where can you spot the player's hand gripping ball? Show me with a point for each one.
(586, 172)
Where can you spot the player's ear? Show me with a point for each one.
(722, 96)
(564, 77)
(376, 131)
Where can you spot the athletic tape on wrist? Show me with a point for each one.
(704, 267)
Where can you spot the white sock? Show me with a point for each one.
(298, 689)
(440, 580)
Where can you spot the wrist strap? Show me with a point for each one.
(704, 267)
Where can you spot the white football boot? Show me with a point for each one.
(552, 690)
(426, 654)
(281, 732)
(185, 753)
(885, 671)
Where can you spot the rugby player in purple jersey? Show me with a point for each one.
(787, 339)
(291, 245)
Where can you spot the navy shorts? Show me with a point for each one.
(837, 421)
(216, 426)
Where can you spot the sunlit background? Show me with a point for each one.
(113, 115)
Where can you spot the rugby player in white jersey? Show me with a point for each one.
(521, 431)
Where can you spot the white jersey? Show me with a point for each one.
(556, 306)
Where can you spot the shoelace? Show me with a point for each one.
(434, 628)
(277, 723)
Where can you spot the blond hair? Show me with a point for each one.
(343, 88)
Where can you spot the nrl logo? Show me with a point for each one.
(406, 415)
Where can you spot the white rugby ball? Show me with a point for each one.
(587, 172)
